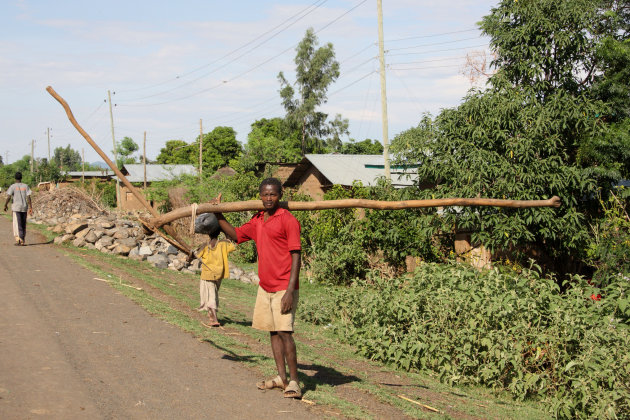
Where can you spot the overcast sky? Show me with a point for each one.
(169, 64)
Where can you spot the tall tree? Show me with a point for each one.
(125, 149)
(365, 147)
(523, 136)
(271, 140)
(178, 152)
(219, 148)
(67, 159)
(316, 69)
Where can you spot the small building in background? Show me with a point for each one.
(103, 175)
(317, 173)
(135, 174)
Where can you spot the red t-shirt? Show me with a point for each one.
(275, 239)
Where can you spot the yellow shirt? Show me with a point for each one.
(215, 261)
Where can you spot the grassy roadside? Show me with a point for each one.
(337, 380)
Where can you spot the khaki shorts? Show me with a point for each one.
(209, 294)
(268, 314)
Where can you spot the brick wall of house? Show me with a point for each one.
(312, 183)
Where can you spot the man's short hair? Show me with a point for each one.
(271, 181)
(18, 176)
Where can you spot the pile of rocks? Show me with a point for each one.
(114, 234)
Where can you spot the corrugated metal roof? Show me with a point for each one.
(135, 172)
(346, 169)
(90, 174)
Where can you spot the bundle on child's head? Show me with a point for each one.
(207, 224)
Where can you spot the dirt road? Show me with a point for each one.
(72, 347)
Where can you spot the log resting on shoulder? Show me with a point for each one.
(256, 205)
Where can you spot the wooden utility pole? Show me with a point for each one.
(48, 132)
(111, 120)
(200, 146)
(32, 154)
(144, 159)
(381, 54)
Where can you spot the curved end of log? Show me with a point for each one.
(555, 201)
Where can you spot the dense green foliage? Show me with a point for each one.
(365, 147)
(271, 140)
(177, 152)
(609, 248)
(505, 143)
(539, 129)
(66, 159)
(219, 148)
(125, 149)
(513, 332)
(340, 245)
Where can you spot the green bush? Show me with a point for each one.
(609, 250)
(342, 244)
(518, 333)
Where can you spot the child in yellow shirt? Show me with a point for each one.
(214, 268)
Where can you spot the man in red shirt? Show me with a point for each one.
(277, 235)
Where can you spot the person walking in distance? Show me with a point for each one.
(276, 233)
(20, 193)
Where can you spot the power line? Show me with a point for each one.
(461, 57)
(321, 2)
(432, 35)
(433, 44)
(252, 68)
(434, 51)
(352, 84)
(422, 68)
(228, 62)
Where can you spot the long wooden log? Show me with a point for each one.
(256, 205)
(179, 243)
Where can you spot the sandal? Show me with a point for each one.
(271, 383)
(292, 390)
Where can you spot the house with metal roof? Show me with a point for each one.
(156, 172)
(135, 173)
(317, 173)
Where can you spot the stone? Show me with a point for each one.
(134, 254)
(130, 242)
(58, 229)
(171, 250)
(98, 232)
(236, 273)
(158, 260)
(78, 242)
(91, 237)
(178, 264)
(76, 227)
(195, 265)
(83, 233)
(145, 250)
(121, 234)
(106, 224)
(121, 249)
(254, 279)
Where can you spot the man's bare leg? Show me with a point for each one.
(277, 347)
(290, 353)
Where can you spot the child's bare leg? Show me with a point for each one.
(212, 314)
